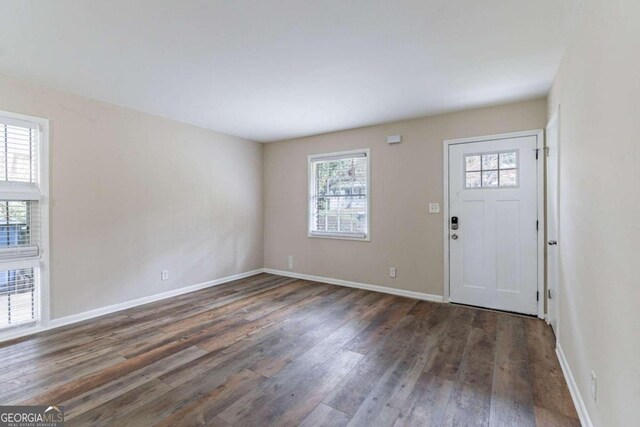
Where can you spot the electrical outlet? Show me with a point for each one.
(290, 262)
(392, 272)
(434, 208)
(164, 275)
(594, 386)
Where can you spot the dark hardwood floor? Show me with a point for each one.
(270, 350)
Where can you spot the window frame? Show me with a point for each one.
(311, 188)
(498, 170)
(39, 192)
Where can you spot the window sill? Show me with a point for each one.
(339, 237)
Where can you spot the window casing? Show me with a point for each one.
(23, 239)
(339, 197)
(491, 170)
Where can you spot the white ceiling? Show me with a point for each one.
(276, 69)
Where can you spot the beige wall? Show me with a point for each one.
(598, 90)
(132, 194)
(404, 179)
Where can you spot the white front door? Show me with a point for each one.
(552, 222)
(493, 247)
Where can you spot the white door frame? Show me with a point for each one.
(555, 120)
(539, 134)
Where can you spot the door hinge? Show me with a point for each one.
(545, 149)
(537, 295)
(549, 293)
(537, 225)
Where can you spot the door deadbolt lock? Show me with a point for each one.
(454, 236)
(454, 222)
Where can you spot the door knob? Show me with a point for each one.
(454, 236)
(552, 243)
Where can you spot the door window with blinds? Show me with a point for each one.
(339, 195)
(21, 193)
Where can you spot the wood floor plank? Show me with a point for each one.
(316, 330)
(427, 402)
(203, 411)
(429, 397)
(470, 400)
(353, 391)
(262, 346)
(288, 399)
(511, 399)
(547, 380)
(20, 388)
(123, 405)
(325, 416)
(209, 396)
(378, 330)
(81, 385)
(253, 301)
(271, 350)
(384, 403)
(99, 395)
(228, 326)
(545, 418)
(251, 327)
(60, 335)
(448, 356)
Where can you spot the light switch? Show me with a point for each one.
(434, 208)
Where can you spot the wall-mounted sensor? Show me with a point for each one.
(394, 139)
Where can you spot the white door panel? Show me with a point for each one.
(508, 245)
(493, 253)
(473, 243)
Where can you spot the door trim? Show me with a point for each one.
(555, 119)
(539, 134)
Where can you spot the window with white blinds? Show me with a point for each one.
(20, 220)
(339, 195)
(18, 295)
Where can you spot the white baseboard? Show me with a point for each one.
(90, 314)
(375, 288)
(578, 402)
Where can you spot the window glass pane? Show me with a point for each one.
(17, 297)
(339, 195)
(472, 163)
(490, 178)
(508, 160)
(508, 178)
(17, 154)
(489, 161)
(473, 180)
(18, 223)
